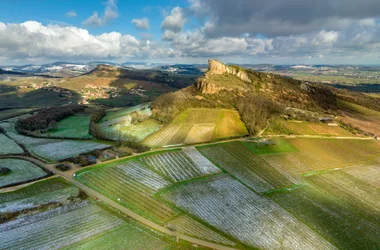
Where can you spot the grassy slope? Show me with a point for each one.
(72, 127)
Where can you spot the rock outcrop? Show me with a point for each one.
(206, 85)
(217, 68)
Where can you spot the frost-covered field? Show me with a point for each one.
(57, 228)
(128, 236)
(54, 190)
(367, 173)
(250, 168)
(8, 146)
(56, 150)
(202, 162)
(178, 166)
(21, 171)
(142, 174)
(191, 227)
(231, 207)
(119, 184)
(65, 149)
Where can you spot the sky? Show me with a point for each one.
(190, 31)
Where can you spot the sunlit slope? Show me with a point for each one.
(196, 125)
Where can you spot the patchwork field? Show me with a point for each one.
(20, 171)
(244, 215)
(76, 126)
(280, 126)
(54, 149)
(119, 124)
(199, 125)
(178, 166)
(8, 146)
(50, 214)
(131, 184)
(335, 220)
(367, 173)
(52, 190)
(251, 169)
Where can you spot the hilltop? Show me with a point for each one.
(256, 95)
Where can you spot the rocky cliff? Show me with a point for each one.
(219, 77)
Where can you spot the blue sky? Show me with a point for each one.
(190, 31)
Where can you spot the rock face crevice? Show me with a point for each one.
(205, 86)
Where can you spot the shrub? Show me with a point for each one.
(4, 171)
(63, 167)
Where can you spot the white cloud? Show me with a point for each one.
(71, 14)
(142, 24)
(32, 40)
(175, 21)
(110, 14)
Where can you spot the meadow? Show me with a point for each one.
(8, 146)
(280, 126)
(76, 126)
(196, 125)
(21, 171)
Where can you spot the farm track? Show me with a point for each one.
(125, 210)
(68, 176)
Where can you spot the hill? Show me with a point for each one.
(257, 96)
(157, 76)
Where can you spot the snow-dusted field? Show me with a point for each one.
(189, 226)
(178, 166)
(21, 171)
(65, 149)
(142, 174)
(202, 162)
(8, 146)
(231, 207)
(57, 228)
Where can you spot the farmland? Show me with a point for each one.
(246, 216)
(235, 158)
(366, 173)
(187, 225)
(281, 126)
(20, 171)
(76, 126)
(119, 124)
(121, 183)
(334, 220)
(8, 146)
(360, 117)
(199, 125)
(54, 149)
(53, 190)
(178, 166)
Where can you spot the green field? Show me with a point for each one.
(196, 125)
(335, 220)
(8, 146)
(282, 127)
(71, 127)
(21, 171)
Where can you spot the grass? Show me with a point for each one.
(21, 171)
(72, 127)
(8, 146)
(280, 126)
(357, 108)
(336, 221)
(273, 146)
(196, 125)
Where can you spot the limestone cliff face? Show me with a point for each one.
(206, 85)
(217, 68)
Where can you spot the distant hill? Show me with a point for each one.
(152, 75)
